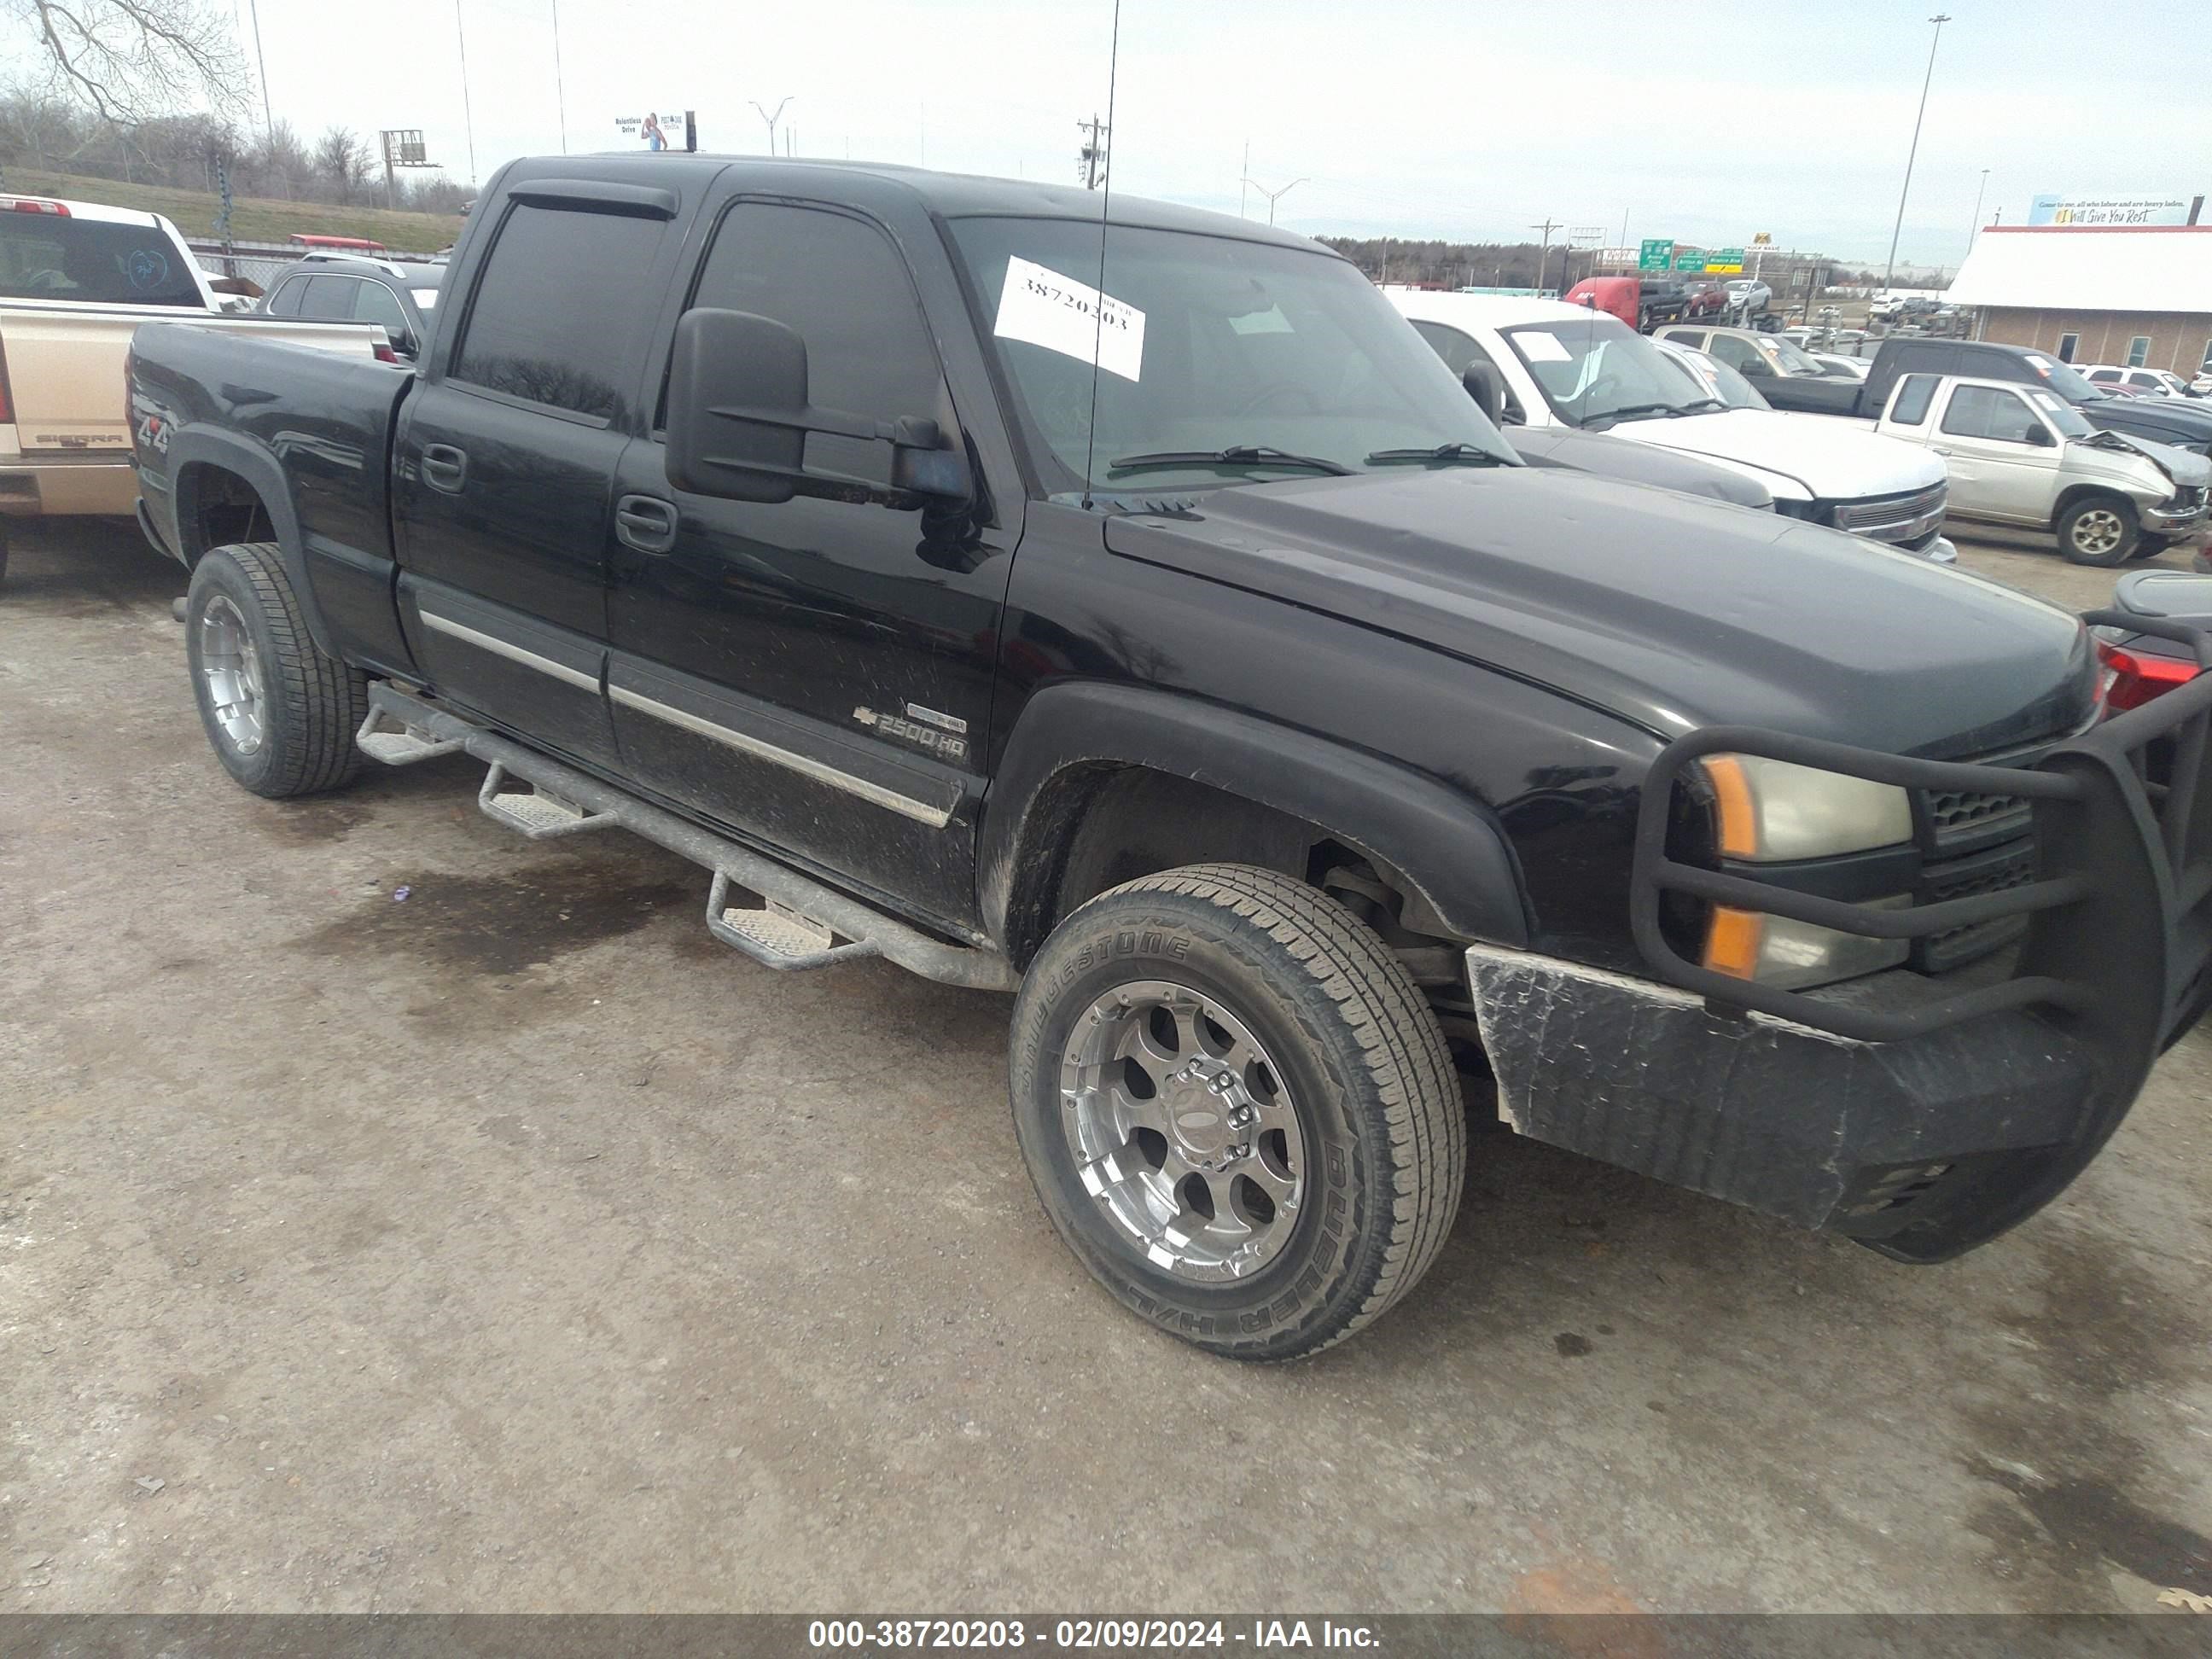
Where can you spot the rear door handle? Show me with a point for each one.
(445, 467)
(646, 523)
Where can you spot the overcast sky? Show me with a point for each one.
(1704, 121)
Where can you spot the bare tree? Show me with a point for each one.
(132, 59)
(342, 160)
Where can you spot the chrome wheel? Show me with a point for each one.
(1182, 1130)
(2098, 532)
(231, 671)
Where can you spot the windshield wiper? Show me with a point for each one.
(1235, 455)
(1634, 411)
(1465, 455)
(1700, 403)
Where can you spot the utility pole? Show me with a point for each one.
(1911, 155)
(771, 120)
(560, 92)
(468, 117)
(1544, 254)
(1090, 157)
(262, 64)
(1274, 196)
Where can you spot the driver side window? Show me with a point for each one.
(1738, 355)
(1461, 352)
(1988, 411)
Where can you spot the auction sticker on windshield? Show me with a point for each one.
(1539, 347)
(1060, 315)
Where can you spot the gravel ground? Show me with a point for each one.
(511, 1246)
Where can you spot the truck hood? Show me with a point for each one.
(2186, 470)
(1666, 611)
(2171, 420)
(1828, 463)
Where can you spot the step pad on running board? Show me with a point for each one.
(384, 737)
(776, 935)
(537, 813)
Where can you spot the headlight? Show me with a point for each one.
(1770, 811)
(1767, 811)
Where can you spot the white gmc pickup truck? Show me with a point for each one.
(77, 279)
(1560, 365)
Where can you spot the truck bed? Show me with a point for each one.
(309, 428)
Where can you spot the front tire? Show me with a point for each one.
(1237, 1109)
(280, 715)
(2098, 531)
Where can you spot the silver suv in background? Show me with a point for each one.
(356, 288)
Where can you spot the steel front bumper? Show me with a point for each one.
(1923, 1115)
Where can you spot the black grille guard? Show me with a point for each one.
(2118, 938)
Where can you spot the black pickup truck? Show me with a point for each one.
(1138, 616)
(2162, 420)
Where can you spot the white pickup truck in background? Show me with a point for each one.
(77, 279)
(2020, 455)
(1562, 365)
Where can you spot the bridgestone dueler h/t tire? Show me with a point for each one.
(312, 705)
(1366, 1068)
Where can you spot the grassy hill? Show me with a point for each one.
(253, 219)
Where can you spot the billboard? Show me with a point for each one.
(2109, 210)
(653, 132)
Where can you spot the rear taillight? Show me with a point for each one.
(34, 205)
(385, 354)
(2135, 677)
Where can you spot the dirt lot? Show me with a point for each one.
(395, 1214)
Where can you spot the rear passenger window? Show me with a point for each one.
(562, 309)
(845, 289)
(1914, 393)
(328, 299)
(285, 301)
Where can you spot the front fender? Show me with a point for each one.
(1445, 842)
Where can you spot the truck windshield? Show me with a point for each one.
(1597, 370)
(2066, 380)
(2068, 419)
(46, 256)
(1222, 361)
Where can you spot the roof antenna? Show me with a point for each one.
(1098, 321)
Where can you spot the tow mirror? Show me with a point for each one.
(1481, 381)
(738, 415)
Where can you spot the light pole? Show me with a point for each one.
(1274, 196)
(771, 120)
(1974, 234)
(1890, 274)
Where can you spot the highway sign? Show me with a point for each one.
(1724, 261)
(1656, 253)
(1690, 258)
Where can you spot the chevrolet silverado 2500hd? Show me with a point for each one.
(1138, 617)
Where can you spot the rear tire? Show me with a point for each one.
(2100, 531)
(280, 715)
(1237, 1109)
